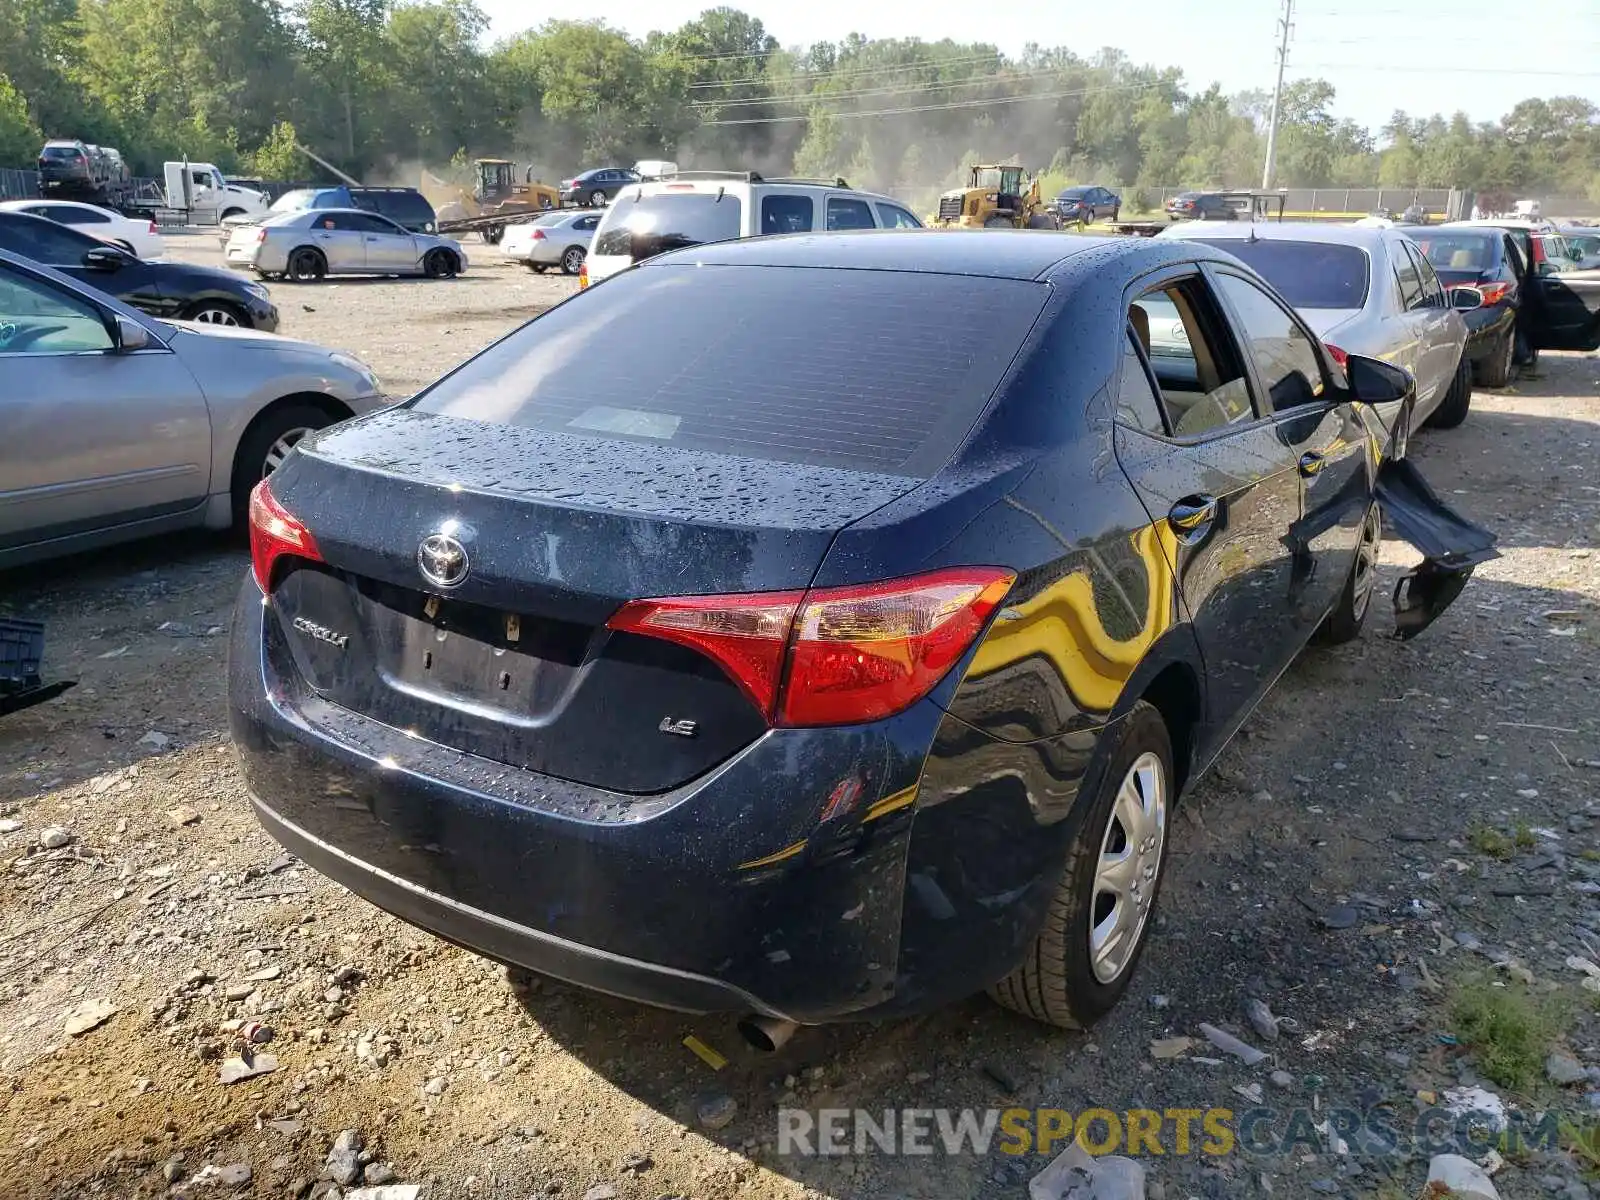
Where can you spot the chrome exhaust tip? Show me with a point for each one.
(767, 1034)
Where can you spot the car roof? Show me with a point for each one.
(987, 253)
(1508, 223)
(658, 187)
(14, 205)
(1486, 232)
(1364, 236)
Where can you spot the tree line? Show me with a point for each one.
(382, 87)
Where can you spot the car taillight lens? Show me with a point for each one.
(538, 235)
(154, 228)
(261, 235)
(1493, 293)
(1340, 358)
(275, 533)
(832, 656)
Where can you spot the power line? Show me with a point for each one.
(898, 89)
(954, 104)
(843, 72)
(1386, 68)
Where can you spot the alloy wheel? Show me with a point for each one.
(279, 450)
(572, 260)
(1366, 563)
(216, 314)
(1129, 866)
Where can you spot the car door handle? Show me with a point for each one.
(1311, 463)
(1192, 515)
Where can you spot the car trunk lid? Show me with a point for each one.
(514, 663)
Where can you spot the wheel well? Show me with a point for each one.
(313, 250)
(335, 409)
(232, 212)
(1175, 693)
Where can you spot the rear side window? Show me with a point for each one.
(895, 217)
(77, 216)
(45, 241)
(1286, 362)
(668, 221)
(329, 200)
(586, 224)
(786, 214)
(867, 370)
(845, 213)
(405, 208)
(1307, 274)
(1406, 276)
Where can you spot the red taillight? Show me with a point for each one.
(261, 235)
(274, 532)
(1493, 293)
(154, 228)
(1340, 358)
(832, 656)
(538, 235)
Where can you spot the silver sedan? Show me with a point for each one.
(119, 425)
(558, 239)
(308, 245)
(1368, 291)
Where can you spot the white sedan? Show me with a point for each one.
(139, 237)
(555, 239)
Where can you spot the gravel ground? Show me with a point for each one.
(1401, 831)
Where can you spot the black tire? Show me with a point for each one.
(1495, 370)
(572, 260)
(306, 265)
(998, 222)
(1115, 215)
(536, 268)
(440, 264)
(250, 461)
(492, 234)
(1452, 409)
(1349, 613)
(597, 199)
(1056, 982)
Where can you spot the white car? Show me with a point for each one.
(555, 239)
(696, 207)
(140, 238)
(1367, 291)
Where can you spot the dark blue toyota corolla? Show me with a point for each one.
(819, 627)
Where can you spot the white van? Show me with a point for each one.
(696, 207)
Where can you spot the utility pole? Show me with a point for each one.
(1284, 28)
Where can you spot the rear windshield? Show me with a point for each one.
(670, 221)
(293, 201)
(1457, 251)
(1308, 274)
(60, 152)
(866, 370)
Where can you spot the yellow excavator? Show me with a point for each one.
(996, 197)
(497, 198)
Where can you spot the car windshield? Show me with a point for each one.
(1308, 274)
(60, 152)
(292, 201)
(667, 221)
(924, 351)
(1457, 251)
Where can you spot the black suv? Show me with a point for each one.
(176, 291)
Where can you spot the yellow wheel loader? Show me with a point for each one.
(996, 197)
(497, 198)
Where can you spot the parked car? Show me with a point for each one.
(138, 237)
(1563, 305)
(1585, 243)
(1486, 262)
(714, 206)
(307, 246)
(1363, 291)
(598, 186)
(118, 426)
(557, 239)
(405, 206)
(1205, 206)
(1084, 205)
(174, 290)
(808, 701)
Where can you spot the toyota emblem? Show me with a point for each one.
(442, 560)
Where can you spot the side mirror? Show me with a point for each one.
(1465, 299)
(131, 336)
(1373, 381)
(105, 258)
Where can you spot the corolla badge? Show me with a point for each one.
(322, 633)
(442, 560)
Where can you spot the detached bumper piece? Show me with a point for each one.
(1451, 546)
(21, 655)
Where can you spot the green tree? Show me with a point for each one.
(19, 136)
(279, 157)
(343, 44)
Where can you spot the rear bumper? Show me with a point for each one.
(728, 894)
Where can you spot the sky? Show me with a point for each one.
(1478, 56)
